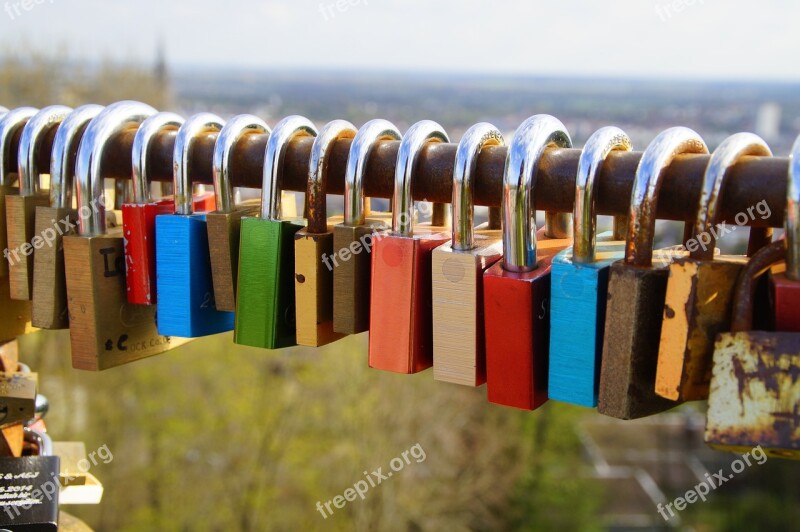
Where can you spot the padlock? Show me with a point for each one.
(700, 287)
(754, 396)
(785, 286)
(30, 487)
(139, 217)
(224, 224)
(185, 303)
(401, 319)
(313, 245)
(78, 485)
(21, 209)
(517, 288)
(105, 330)
(15, 316)
(352, 271)
(265, 308)
(55, 221)
(637, 287)
(459, 353)
(17, 397)
(579, 283)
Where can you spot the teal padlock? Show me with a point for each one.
(265, 307)
(185, 300)
(580, 282)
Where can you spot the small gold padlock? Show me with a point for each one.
(105, 330)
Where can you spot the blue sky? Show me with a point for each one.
(716, 39)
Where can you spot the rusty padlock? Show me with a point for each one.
(139, 217)
(754, 396)
(265, 305)
(21, 209)
(459, 353)
(637, 287)
(700, 287)
(313, 245)
(785, 286)
(15, 316)
(401, 328)
(352, 271)
(105, 330)
(580, 282)
(224, 224)
(56, 220)
(517, 289)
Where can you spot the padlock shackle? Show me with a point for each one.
(600, 144)
(34, 132)
(42, 440)
(235, 129)
(3, 110)
(192, 128)
(65, 152)
(10, 123)
(530, 141)
(287, 129)
(159, 122)
(656, 158)
(744, 294)
(792, 225)
(368, 135)
(120, 117)
(726, 155)
(417, 136)
(316, 200)
(469, 148)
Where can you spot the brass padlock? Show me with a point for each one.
(459, 353)
(56, 220)
(754, 397)
(105, 330)
(224, 224)
(15, 316)
(700, 287)
(352, 271)
(636, 290)
(313, 245)
(21, 209)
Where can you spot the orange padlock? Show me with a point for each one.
(401, 331)
(517, 289)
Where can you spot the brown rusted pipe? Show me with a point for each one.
(750, 181)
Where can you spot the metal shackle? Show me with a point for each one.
(196, 125)
(316, 201)
(11, 122)
(792, 224)
(235, 129)
(141, 151)
(64, 154)
(38, 127)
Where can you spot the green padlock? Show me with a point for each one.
(265, 309)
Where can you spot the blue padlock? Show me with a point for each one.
(185, 300)
(580, 283)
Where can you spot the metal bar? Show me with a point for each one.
(751, 181)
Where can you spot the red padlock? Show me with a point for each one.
(517, 289)
(401, 315)
(139, 217)
(785, 286)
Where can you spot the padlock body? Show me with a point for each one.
(786, 297)
(21, 220)
(697, 307)
(577, 322)
(630, 344)
(223, 236)
(459, 346)
(49, 278)
(265, 308)
(517, 315)
(185, 294)
(139, 221)
(314, 288)
(17, 397)
(754, 396)
(105, 330)
(5, 192)
(15, 315)
(352, 274)
(31, 493)
(401, 314)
